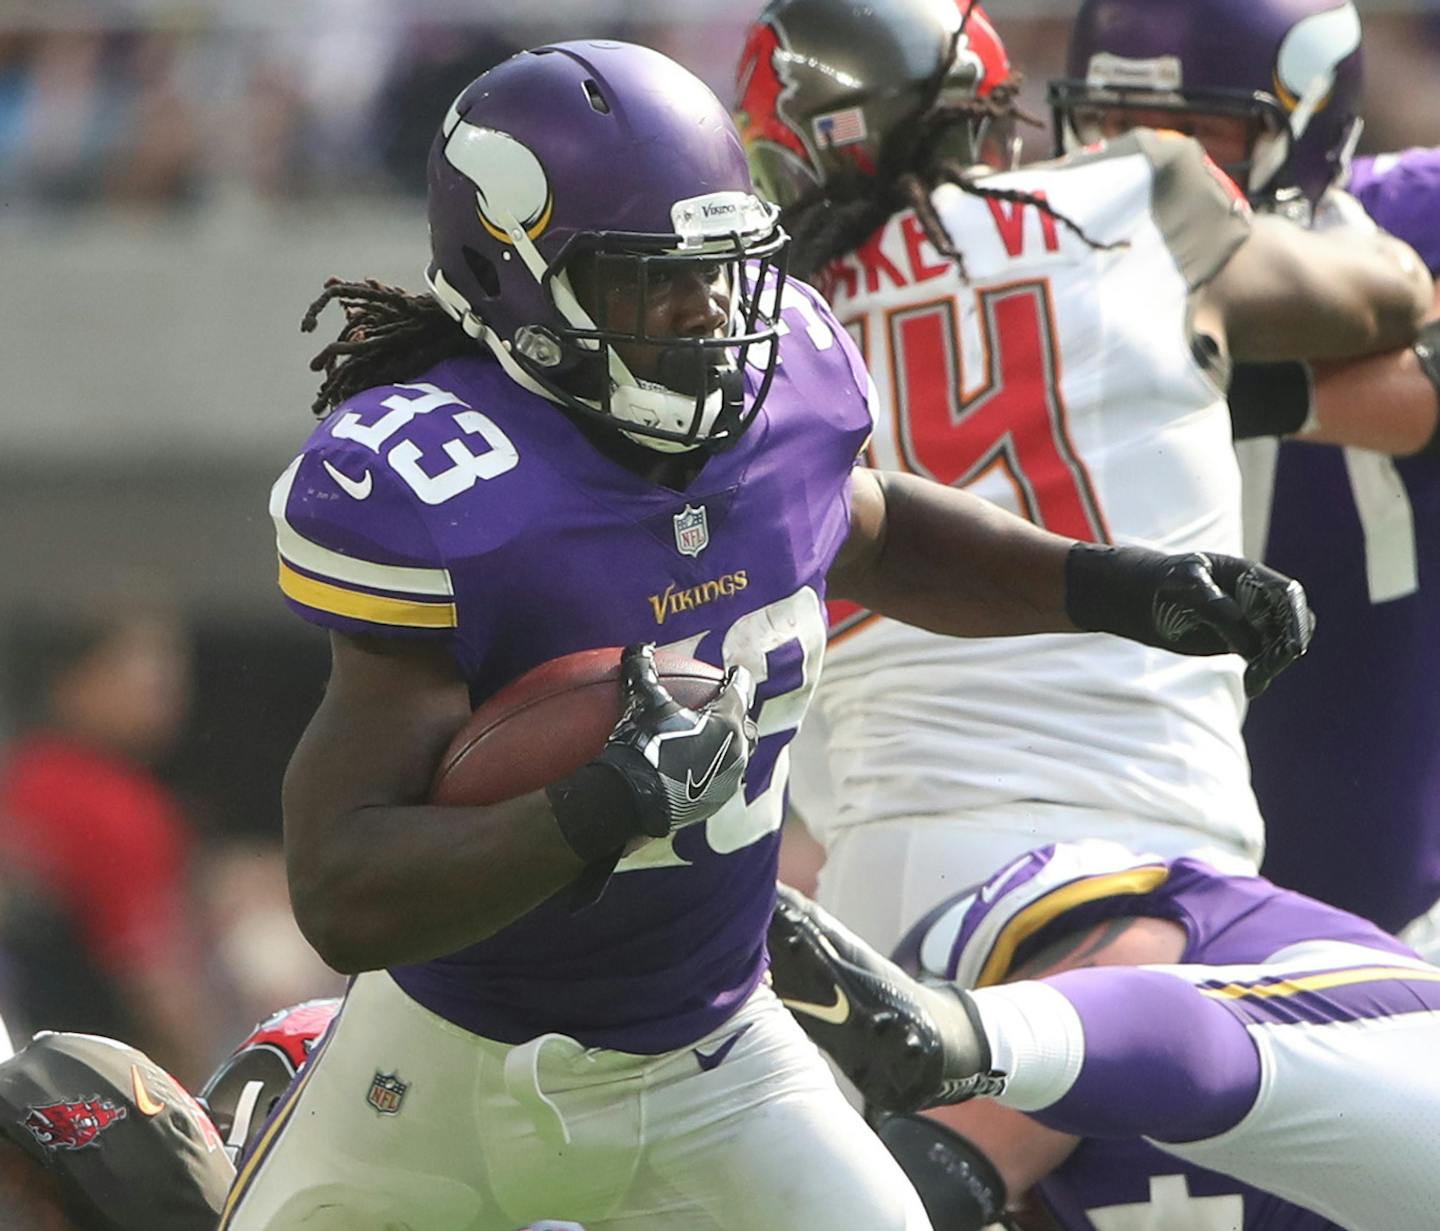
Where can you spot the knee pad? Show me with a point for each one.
(958, 1185)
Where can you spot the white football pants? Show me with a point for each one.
(881, 879)
(743, 1131)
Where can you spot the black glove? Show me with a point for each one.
(1191, 604)
(664, 766)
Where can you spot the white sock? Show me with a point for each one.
(1036, 1038)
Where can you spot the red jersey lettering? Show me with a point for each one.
(1009, 219)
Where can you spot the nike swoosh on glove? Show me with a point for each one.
(682, 765)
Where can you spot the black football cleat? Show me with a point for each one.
(905, 1045)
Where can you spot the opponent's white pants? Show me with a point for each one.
(880, 879)
(489, 1137)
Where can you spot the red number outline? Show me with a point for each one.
(1052, 485)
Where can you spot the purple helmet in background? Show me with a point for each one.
(1290, 67)
(615, 157)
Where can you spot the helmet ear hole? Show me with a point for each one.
(597, 99)
(482, 268)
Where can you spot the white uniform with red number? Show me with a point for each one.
(1060, 381)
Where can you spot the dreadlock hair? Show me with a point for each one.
(389, 336)
(849, 210)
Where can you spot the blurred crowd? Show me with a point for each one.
(177, 114)
(178, 107)
(175, 117)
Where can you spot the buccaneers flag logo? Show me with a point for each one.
(74, 1125)
(760, 89)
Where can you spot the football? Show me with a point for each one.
(550, 722)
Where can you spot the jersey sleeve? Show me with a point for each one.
(860, 407)
(355, 554)
(1401, 192)
(1199, 210)
(976, 938)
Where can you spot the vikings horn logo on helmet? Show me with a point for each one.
(511, 187)
(1311, 51)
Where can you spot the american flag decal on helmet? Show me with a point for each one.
(840, 128)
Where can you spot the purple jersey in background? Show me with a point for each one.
(1345, 750)
(1400, 192)
(463, 509)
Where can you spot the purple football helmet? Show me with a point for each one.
(611, 160)
(1291, 68)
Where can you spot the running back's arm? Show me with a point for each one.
(949, 561)
(378, 877)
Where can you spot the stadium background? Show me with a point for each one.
(177, 179)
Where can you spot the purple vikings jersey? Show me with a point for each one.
(1345, 752)
(462, 509)
(1124, 1183)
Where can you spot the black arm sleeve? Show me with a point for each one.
(1269, 399)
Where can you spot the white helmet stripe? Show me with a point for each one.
(1314, 48)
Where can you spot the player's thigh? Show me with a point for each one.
(378, 1131)
(766, 1142)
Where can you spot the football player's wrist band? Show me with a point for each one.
(1270, 399)
(595, 809)
(603, 805)
(1112, 590)
(1427, 351)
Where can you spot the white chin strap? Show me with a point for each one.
(245, 1107)
(651, 405)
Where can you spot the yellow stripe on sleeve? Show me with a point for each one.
(1319, 982)
(373, 608)
(1035, 916)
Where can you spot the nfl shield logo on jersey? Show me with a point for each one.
(387, 1092)
(692, 532)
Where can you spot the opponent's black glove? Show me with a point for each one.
(663, 767)
(1192, 604)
